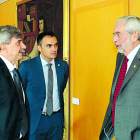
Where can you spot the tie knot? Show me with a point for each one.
(49, 65)
(126, 59)
(15, 71)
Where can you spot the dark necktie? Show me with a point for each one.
(50, 91)
(118, 86)
(24, 126)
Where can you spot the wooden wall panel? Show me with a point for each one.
(134, 7)
(92, 64)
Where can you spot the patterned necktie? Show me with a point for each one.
(118, 86)
(50, 91)
(24, 126)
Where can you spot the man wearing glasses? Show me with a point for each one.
(122, 118)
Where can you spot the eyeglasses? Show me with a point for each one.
(118, 34)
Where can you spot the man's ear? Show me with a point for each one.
(134, 36)
(39, 48)
(3, 47)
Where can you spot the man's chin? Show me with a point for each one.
(54, 56)
(120, 50)
(21, 56)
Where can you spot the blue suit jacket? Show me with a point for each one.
(31, 72)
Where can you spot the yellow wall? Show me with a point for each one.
(8, 14)
(92, 63)
(134, 7)
(92, 58)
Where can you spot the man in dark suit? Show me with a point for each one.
(12, 113)
(36, 74)
(122, 118)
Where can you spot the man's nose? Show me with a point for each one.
(115, 38)
(23, 46)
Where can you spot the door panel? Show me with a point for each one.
(92, 64)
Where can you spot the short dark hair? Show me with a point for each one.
(42, 35)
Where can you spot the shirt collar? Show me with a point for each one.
(44, 62)
(132, 54)
(9, 65)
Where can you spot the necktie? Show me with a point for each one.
(24, 126)
(50, 91)
(118, 86)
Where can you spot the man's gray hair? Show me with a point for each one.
(7, 32)
(132, 24)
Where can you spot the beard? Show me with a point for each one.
(120, 49)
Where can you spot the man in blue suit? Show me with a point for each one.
(35, 77)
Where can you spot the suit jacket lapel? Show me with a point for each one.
(39, 72)
(58, 72)
(133, 68)
(6, 73)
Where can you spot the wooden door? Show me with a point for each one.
(92, 63)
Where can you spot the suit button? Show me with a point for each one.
(41, 109)
(44, 97)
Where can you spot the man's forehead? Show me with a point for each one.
(119, 26)
(50, 39)
(16, 39)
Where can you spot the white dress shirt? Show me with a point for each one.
(131, 56)
(56, 104)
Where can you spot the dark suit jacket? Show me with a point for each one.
(10, 112)
(127, 113)
(32, 75)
